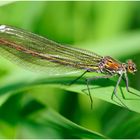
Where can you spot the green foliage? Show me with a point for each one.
(36, 105)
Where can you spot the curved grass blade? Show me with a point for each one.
(102, 89)
(51, 118)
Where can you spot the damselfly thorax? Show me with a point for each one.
(112, 66)
(39, 53)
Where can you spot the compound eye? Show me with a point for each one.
(131, 68)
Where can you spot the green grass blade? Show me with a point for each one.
(38, 119)
(54, 120)
(102, 89)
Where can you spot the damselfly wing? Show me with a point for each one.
(41, 54)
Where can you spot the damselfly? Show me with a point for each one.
(37, 52)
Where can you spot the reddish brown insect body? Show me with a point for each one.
(113, 66)
(37, 52)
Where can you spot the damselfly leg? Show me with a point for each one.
(93, 79)
(88, 80)
(115, 92)
(75, 80)
(125, 79)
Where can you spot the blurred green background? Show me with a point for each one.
(29, 109)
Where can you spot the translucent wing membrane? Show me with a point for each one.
(40, 54)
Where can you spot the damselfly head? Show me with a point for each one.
(131, 66)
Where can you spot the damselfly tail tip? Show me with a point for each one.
(2, 28)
